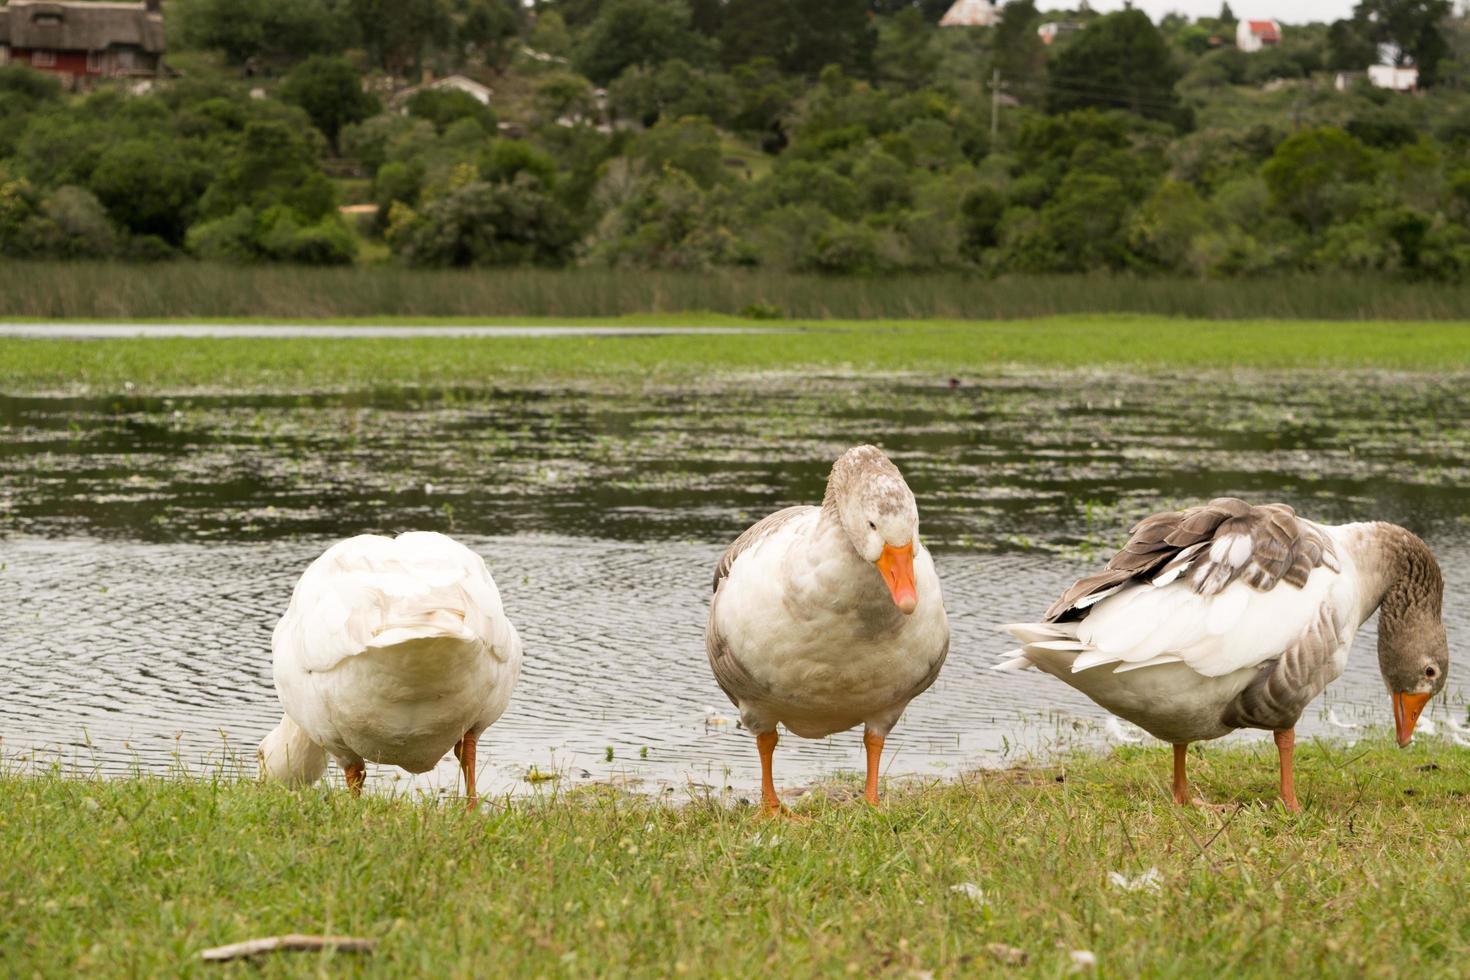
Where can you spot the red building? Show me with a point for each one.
(84, 41)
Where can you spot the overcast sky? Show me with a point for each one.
(1286, 11)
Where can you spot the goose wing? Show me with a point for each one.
(371, 592)
(752, 537)
(730, 673)
(1221, 587)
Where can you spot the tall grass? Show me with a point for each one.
(200, 291)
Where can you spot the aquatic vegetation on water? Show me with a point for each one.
(1023, 460)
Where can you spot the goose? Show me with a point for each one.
(827, 617)
(1228, 616)
(395, 651)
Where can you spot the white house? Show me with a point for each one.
(1395, 78)
(1253, 35)
(970, 13)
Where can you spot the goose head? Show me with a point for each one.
(288, 755)
(1413, 652)
(877, 512)
(1414, 657)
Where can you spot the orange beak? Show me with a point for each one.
(1406, 711)
(897, 566)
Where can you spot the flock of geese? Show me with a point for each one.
(1211, 619)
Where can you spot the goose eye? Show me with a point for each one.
(872, 526)
(1429, 671)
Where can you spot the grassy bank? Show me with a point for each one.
(195, 290)
(135, 877)
(947, 348)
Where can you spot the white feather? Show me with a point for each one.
(1096, 597)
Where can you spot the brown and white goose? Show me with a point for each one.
(828, 617)
(1229, 616)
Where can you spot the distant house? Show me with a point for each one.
(970, 13)
(84, 41)
(1253, 35)
(1054, 29)
(1394, 78)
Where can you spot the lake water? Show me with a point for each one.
(149, 544)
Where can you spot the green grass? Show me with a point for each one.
(946, 348)
(192, 290)
(135, 877)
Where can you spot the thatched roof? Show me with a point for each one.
(969, 13)
(81, 26)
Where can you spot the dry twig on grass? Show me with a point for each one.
(283, 944)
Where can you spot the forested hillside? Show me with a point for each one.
(832, 136)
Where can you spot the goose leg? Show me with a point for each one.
(356, 775)
(1181, 785)
(873, 742)
(765, 744)
(1285, 744)
(464, 751)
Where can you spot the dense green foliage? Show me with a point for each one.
(134, 877)
(822, 137)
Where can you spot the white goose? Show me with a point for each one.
(393, 650)
(1230, 616)
(828, 617)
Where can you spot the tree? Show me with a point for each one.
(274, 164)
(489, 27)
(906, 53)
(446, 106)
(483, 224)
(1312, 174)
(832, 32)
(639, 32)
(396, 32)
(707, 16)
(149, 188)
(754, 29)
(1120, 61)
(691, 145)
(1349, 48)
(276, 29)
(802, 38)
(1020, 56)
(330, 91)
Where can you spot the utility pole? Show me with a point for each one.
(994, 104)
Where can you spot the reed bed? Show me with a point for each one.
(191, 290)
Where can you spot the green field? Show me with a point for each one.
(135, 877)
(947, 348)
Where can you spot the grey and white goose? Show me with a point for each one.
(828, 617)
(1229, 616)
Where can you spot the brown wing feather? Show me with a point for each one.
(752, 536)
(1283, 547)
